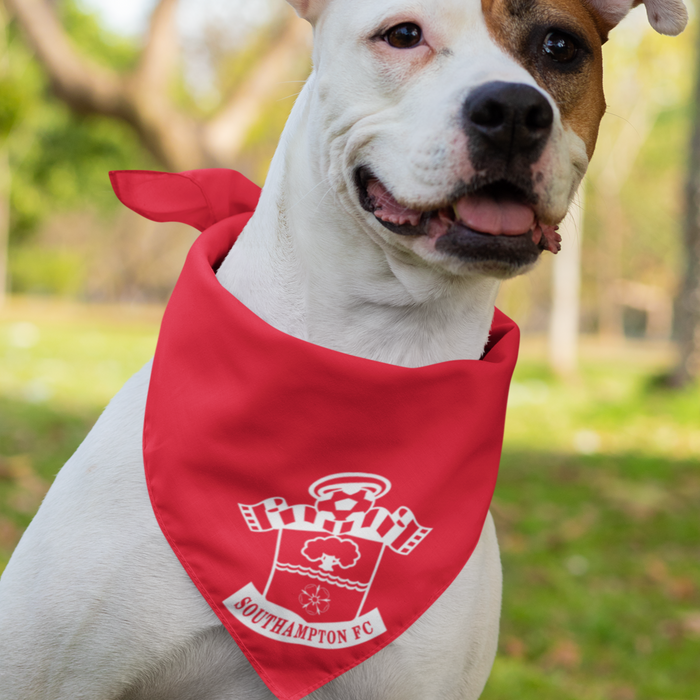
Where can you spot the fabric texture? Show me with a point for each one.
(320, 502)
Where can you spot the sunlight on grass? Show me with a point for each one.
(60, 364)
(601, 576)
(597, 515)
(596, 507)
(612, 407)
(62, 355)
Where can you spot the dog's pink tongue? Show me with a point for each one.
(488, 215)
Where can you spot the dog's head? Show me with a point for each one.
(458, 130)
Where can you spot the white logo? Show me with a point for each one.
(318, 585)
(331, 551)
(314, 599)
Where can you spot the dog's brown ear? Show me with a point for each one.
(308, 9)
(666, 16)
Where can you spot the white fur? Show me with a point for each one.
(339, 284)
(665, 16)
(94, 603)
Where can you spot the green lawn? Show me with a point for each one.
(597, 508)
(59, 366)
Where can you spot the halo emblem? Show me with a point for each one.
(350, 482)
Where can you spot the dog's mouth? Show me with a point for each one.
(494, 222)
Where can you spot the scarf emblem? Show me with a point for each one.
(326, 558)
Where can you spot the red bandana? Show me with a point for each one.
(320, 502)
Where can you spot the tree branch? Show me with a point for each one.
(171, 136)
(141, 99)
(226, 131)
(160, 54)
(84, 85)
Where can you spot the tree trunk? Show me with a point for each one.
(566, 291)
(609, 251)
(609, 181)
(4, 176)
(688, 300)
(4, 219)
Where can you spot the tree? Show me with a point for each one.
(564, 317)
(4, 219)
(76, 101)
(7, 118)
(141, 97)
(688, 300)
(52, 161)
(331, 551)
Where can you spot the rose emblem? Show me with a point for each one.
(315, 599)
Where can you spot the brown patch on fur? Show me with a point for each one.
(520, 26)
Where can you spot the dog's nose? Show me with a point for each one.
(510, 117)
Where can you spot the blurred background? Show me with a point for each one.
(598, 505)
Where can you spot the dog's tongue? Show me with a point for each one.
(499, 218)
(479, 213)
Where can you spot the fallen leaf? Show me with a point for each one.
(9, 534)
(623, 692)
(691, 624)
(514, 647)
(564, 654)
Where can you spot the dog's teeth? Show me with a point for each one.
(446, 215)
(538, 236)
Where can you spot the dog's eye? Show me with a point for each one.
(404, 36)
(560, 47)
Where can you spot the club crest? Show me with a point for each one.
(325, 561)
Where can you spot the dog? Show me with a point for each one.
(432, 153)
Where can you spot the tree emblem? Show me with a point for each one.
(331, 551)
(315, 599)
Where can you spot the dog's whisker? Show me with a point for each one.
(322, 198)
(281, 99)
(314, 188)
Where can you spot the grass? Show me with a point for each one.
(59, 366)
(600, 557)
(597, 511)
(597, 506)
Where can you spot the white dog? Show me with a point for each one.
(433, 151)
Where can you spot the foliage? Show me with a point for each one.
(35, 270)
(109, 49)
(60, 160)
(596, 506)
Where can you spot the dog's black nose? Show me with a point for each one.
(509, 118)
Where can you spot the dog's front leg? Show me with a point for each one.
(94, 603)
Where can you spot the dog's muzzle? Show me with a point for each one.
(490, 221)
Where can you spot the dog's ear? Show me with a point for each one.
(308, 9)
(666, 16)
